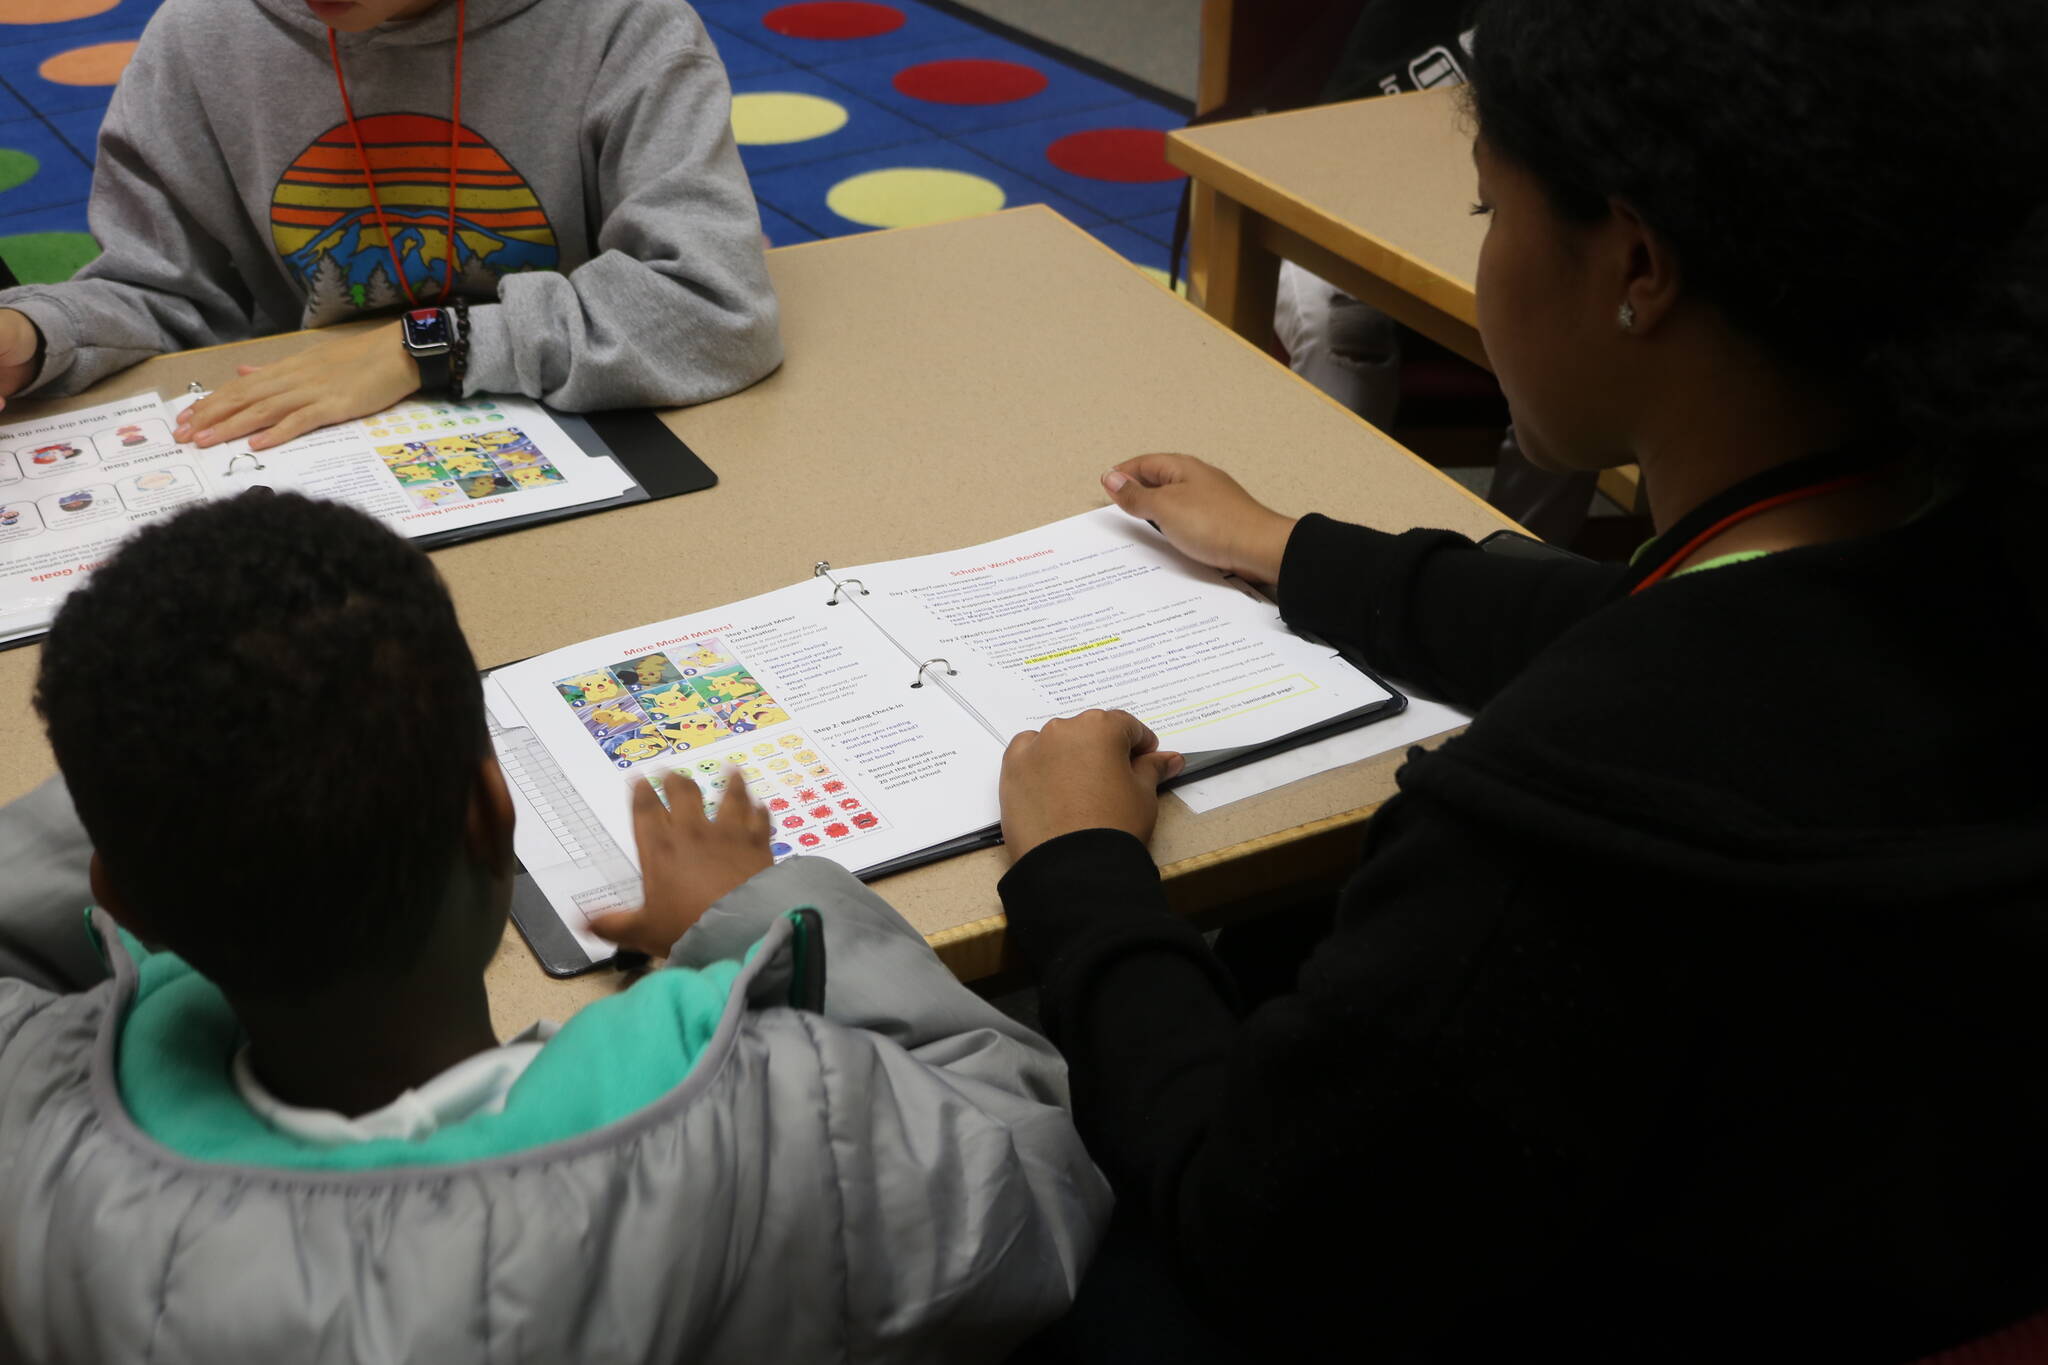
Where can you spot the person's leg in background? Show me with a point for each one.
(1348, 349)
(1352, 352)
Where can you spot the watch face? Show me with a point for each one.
(426, 327)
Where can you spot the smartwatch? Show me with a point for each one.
(429, 335)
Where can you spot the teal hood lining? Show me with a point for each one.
(161, 1072)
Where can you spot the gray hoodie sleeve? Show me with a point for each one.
(675, 305)
(969, 1208)
(881, 976)
(45, 861)
(164, 280)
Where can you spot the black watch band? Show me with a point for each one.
(429, 337)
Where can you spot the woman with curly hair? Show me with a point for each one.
(1686, 1007)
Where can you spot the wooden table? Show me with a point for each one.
(1373, 195)
(946, 385)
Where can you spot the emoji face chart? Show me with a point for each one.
(799, 820)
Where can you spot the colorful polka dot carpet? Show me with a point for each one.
(850, 116)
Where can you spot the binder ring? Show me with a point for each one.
(951, 671)
(823, 569)
(236, 460)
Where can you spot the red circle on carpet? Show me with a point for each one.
(1128, 155)
(834, 19)
(969, 81)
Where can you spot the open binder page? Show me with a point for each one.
(1099, 611)
(808, 703)
(73, 487)
(429, 465)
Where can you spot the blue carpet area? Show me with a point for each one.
(929, 111)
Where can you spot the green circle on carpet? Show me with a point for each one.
(47, 257)
(16, 168)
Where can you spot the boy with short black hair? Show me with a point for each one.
(551, 186)
(289, 1133)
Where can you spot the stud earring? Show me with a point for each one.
(1628, 316)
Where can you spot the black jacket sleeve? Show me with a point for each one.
(1431, 607)
(1363, 1158)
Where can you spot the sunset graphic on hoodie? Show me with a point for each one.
(326, 228)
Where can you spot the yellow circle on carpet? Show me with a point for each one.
(909, 196)
(1164, 280)
(768, 119)
(51, 11)
(100, 64)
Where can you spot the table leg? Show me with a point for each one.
(1241, 275)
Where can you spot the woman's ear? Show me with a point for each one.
(1649, 279)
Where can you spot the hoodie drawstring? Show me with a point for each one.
(454, 154)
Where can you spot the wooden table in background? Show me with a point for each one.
(1374, 195)
(945, 385)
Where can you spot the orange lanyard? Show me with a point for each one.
(454, 153)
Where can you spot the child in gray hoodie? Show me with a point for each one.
(602, 224)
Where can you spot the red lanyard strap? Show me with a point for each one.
(454, 158)
(1755, 509)
(1810, 477)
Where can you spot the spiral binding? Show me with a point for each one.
(951, 671)
(823, 569)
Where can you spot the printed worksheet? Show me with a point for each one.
(1099, 611)
(428, 466)
(73, 487)
(805, 704)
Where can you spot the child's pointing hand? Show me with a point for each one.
(687, 861)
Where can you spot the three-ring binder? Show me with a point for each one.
(951, 671)
(823, 569)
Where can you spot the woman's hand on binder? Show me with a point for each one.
(688, 861)
(1097, 770)
(335, 381)
(1204, 512)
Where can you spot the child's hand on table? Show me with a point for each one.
(1097, 770)
(687, 861)
(20, 343)
(1204, 512)
(340, 379)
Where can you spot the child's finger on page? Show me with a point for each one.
(685, 798)
(735, 804)
(290, 428)
(253, 418)
(647, 812)
(629, 929)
